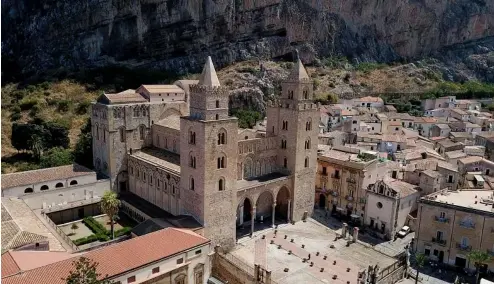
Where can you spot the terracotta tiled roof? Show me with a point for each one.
(9, 266)
(117, 258)
(38, 176)
(25, 238)
(404, 189)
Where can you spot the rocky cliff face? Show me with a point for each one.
(176, 35)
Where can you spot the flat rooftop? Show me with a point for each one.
(316, 238)
(481, 200)
(269, 178)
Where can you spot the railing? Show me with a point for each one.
(439, 241)
(60, 232)
(463, 247)
(467, 225)
(349, 198)
(132, 212)
(491, 252)
(441, 219)
(60, 207)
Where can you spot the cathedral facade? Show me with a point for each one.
(177, 147)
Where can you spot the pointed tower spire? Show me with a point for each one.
(298, 72)
(208, 75)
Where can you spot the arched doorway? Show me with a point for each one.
(264, 207)
(244, 211)
(283, 204)
(122, 184)
(322, 201)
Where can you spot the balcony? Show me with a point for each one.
(441, 219)
(463, 247)
(467, 225)
(334, 193)
(351, 180)
(323, 173)
(439, 241)
(335, 176)
(349, 198)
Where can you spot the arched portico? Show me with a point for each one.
(283, 204)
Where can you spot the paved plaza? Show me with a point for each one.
(316, 238)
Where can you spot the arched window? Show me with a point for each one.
(290, 95)
(192, 161)
(74, 182)
(306, 162)
(97, 132)
(283, 144)
(44, 187)
(191, 184)
(221, 184)
(141, 132)
(192, 137)
(58, 185)
(221, 162)
(222, 137)
(217, 104)
(285, 125)
(28, 190)
(306, 95)
(308, 125)
(307, 143)
(285, 162)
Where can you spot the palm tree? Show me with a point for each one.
(420, 260)
(110, 205)
(478, 258)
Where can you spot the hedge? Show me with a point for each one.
(123, 231)
(95, 226)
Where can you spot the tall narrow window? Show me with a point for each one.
(191, 185)
(285, 163)
(222, 137)
(221, 162)
(97, 132)
(307, 144)
(122, 134)
(141, 132)
(217, 116)
(192, 161)
(192, 137)
(307, 162)
(221, 185)
(217, 104)
(306, 94)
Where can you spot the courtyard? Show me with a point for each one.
(318, 241)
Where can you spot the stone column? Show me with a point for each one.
(273, 213)
(241, 216)
(289, 217)
(253, 217)
(355, 234)
(344, 230)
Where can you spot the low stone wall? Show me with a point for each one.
(225, 270)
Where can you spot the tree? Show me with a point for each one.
(420, 260)
(479, 258)
(74, 227)
(110, 205)
(85, 273)
(56, 157)
(36, 144)
(58, 135)
(83, 153)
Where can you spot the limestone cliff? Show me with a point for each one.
(178, 34)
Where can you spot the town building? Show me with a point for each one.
(170, 255)
(182, 152)
(388, 205)
(453, 223)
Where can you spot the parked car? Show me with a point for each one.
(403, 232)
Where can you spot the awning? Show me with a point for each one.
(479, 178)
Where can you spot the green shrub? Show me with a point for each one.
(367, 67)
(123, 231)
(86, 240)
(63, 105)
(95, 226)
(56, 157)
(83, 107)
(15, 116)
(27, 103)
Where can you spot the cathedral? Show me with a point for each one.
(176, 147)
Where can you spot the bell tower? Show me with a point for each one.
(294, 120)
(208, 159)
